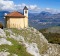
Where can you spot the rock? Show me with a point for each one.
(35, 43)
(4, 53)
(4, 41)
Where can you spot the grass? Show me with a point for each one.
(16, 48)
(31, 36)
(7, 33)
(0, 37)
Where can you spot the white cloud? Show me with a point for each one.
(34, 8)
(9, 5)
(6, 4)
(54, 11)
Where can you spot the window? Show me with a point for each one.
(26, 12)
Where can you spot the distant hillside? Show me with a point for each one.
(2, 20)
(44, 14)
(55, 29)
(44, 20)
(2, 14)
(52, 34)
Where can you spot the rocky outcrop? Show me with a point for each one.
(34, 42)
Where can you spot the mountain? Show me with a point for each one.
(44, 20)
(56, 16)
(44, 14)
(2, 20)
(26, 42)
(2, 14)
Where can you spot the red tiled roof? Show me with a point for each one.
(15, 14)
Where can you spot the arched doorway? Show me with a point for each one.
(1, 26)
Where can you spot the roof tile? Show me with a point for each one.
(15, 14)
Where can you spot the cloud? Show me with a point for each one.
(6, 4)
(53, 11)
(34, 8)
(9, 5)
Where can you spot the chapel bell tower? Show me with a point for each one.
(25, 11)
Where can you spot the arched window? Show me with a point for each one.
(26, 12)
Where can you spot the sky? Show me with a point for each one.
(42, 3)
(34, 6)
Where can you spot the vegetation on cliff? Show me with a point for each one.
(26, 42)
